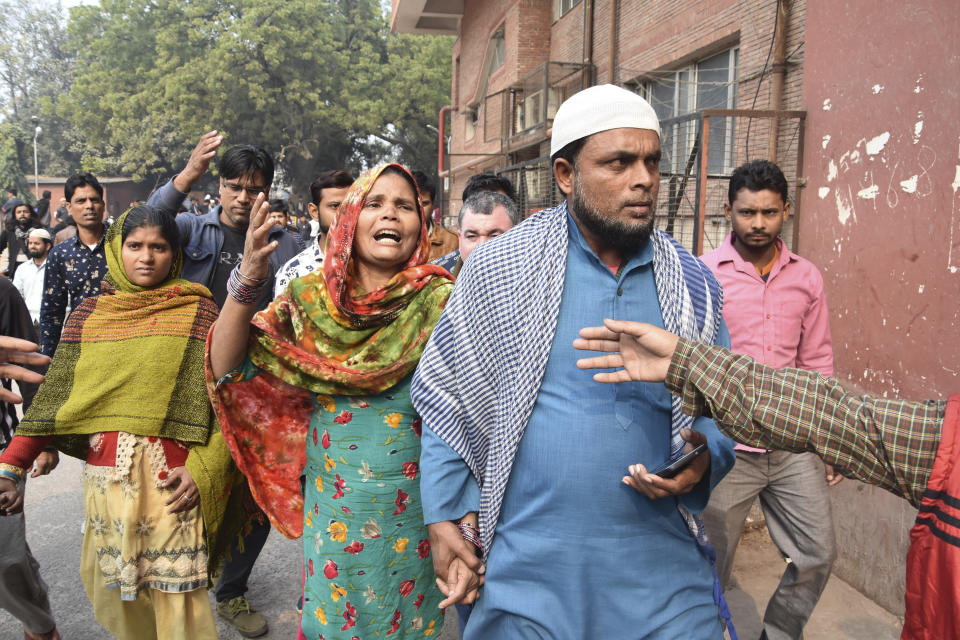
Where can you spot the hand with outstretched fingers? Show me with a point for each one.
(16, 350)
(199, 161)
(11, 500)
(46, 462)
(185, 494)
(638, 351)
(257, 246)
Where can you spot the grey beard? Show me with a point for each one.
(625, 238)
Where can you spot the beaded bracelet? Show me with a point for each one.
(241, 291)
(471, 534)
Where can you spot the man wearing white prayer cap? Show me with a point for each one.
(536, 481)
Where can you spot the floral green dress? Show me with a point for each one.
(369, 573)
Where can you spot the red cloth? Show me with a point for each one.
(23, 450)
(933, 562)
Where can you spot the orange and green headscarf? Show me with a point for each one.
(325, 335)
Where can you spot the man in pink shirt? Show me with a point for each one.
(775, 308)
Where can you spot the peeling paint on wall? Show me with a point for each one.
(825, 141)
(844, 208)
(831, 171)
(918, 127)
(823, 192)
(826, 104)
(869, 193)
(877, 144)
(877, 88)
(910, 184)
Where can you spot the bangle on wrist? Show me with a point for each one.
(10, 472)
(471, 534)
(252, 281)
(242, 292)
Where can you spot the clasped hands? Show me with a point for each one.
(459, 570)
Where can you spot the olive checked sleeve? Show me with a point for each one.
(889, 443)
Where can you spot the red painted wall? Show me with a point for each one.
(881, 212)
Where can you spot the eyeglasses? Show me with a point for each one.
(253, 192)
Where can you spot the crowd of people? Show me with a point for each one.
(413, 403)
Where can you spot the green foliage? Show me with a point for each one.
(318, 83)
(11, 175)
(35, 69)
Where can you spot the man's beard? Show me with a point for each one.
(23, 224)
(36, 254)
(621, 235)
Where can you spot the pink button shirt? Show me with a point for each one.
(782, 322)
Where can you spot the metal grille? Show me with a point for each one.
(690, 206)
(534, 183)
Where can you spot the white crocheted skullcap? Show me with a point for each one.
(597, 109)
(39, 233)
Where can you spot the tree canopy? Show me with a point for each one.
(317, 83)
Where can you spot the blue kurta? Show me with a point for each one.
(577, 553)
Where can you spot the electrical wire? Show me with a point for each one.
(776, 19)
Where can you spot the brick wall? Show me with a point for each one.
(652, 36)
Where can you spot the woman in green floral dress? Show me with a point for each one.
(317, 387)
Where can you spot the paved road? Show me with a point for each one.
(54, 511)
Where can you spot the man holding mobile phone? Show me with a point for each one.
(776, 311)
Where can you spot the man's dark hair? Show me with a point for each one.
(757, 175)
(78, 180)
(148, 216)
(278, 204)
(485, 202)
(488, 182)
(46, 194)
(570, 151)
(12, 191)
(425, 183)
(331, 179)
(244, 160)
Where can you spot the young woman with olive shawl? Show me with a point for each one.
(125, 393)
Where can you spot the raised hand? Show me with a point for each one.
(638, 351)
(199, 161)
(23, 352)
(257, 247)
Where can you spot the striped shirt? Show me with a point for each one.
(889, 443)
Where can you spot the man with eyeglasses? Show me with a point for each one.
(212, 247)
(213, 242)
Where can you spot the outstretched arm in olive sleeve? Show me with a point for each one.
(890, 443)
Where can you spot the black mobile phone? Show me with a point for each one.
(671, 469)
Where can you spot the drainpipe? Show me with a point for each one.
(588, 38)
(779, 70)
(440, 147)
(614, 16)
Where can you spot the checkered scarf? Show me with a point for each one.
(480, 375)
